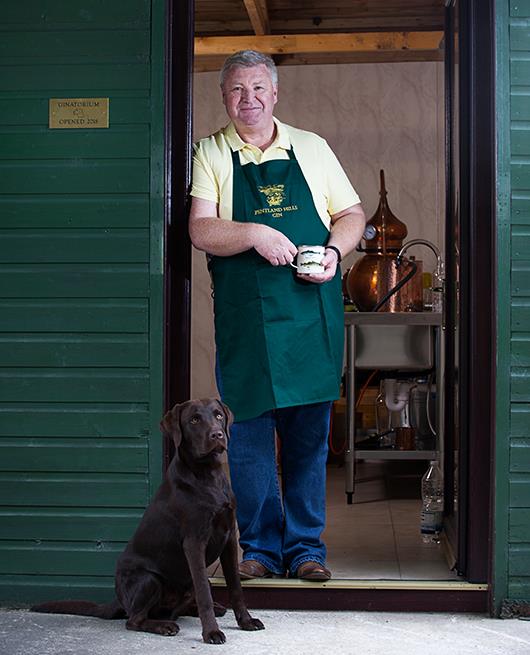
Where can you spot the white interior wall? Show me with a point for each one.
(374, 116)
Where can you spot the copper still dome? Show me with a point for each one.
(377, 273)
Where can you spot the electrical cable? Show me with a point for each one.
(364, 387)
(397, 287)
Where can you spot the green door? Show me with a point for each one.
(81, 251)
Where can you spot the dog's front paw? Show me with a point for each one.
(214, 637)
(251, 624)
(166, 628)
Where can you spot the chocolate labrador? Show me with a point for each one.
(189, 524)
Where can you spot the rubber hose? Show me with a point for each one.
(401, 283)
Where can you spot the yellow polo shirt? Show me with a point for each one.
(212, 168)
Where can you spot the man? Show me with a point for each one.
(260, 189)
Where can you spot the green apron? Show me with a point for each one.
(279, 339)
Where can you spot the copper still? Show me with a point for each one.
(380, 281)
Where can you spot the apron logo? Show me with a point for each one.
(274, 194)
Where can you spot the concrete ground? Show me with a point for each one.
(287, 632)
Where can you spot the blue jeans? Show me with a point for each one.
(281, 530)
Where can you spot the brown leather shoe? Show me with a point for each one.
(313, 571)
(251, 568)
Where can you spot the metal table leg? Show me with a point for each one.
(349, 457)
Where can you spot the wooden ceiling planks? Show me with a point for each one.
(217, 17)
(355, 16)
(324, 21)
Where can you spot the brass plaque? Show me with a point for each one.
(79, 113)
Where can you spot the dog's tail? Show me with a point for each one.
(82, 608)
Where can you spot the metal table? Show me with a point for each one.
(405, 341)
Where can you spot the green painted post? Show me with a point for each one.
(503, 193)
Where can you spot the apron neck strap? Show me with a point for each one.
(236, 161)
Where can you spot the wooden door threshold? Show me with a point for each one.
(358, 595)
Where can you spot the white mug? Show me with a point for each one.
(309, 259)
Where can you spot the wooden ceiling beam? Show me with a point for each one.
(287, 44)
(209, 64)
(259, 16)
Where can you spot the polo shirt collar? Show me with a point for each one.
(236, 143)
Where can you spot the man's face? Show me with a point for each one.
(249, 96)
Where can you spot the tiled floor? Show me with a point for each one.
(377, 537)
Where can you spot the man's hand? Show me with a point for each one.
(330, 263)
(225, 238)
(274, 246)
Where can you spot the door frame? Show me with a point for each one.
(477, 338)
(479, 292)
(177, 259)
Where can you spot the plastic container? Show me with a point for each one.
(432, 498)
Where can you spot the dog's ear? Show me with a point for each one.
(170, 425)
(228, 413)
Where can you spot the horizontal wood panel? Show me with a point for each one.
(74, 245)
(520, 139)
(520, 175)
(118, 13)
(95, 79)
(521, 207)
(520, 242)
(73, 315)
(67, 350)
(520, 106)
(519, 69)
(74, 281)
(377, 8)
(406, 19)
(79, 490)
(294, 24)
(518, 588)
(83, 455)
(521, 278)
(62, 419)
(520, 384)
(520, 8)
(519, 525)
(520, 318)
(520, 456)
(520, 349)
(68, 525)
(67, 559)
(282, 44)
(82, 176)
(519, 560)
(18, 110)
(79, 211)
(74, 385)
(520, 37)
(41, 46)
(519, 419)
(118, 142)
(31, 589)
(519, 490)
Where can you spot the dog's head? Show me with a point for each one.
(200, 428)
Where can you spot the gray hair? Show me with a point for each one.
(247, 59)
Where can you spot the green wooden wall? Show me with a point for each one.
(81, 250)
(512, 516)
